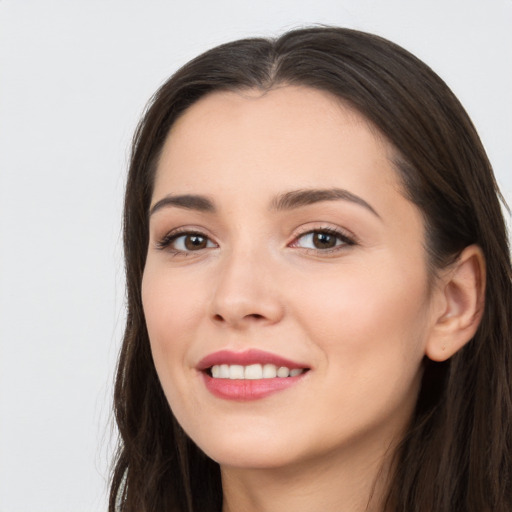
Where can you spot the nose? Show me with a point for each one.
(246, 292)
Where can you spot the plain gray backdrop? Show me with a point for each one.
(74, 78)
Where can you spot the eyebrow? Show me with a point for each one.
(305, 197)
(287, 201)
(187, 201)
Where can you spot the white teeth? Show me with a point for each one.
(283, 372)
(236, 371)
(269, 371)
(252, 371)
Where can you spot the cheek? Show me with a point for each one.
(369, 319)
(171, 308)
(371, 330)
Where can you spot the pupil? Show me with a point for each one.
(195, 242)
(324, 240)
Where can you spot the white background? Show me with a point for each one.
(74, 77)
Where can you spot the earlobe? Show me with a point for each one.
(463, 294)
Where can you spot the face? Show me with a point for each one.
(285, 290)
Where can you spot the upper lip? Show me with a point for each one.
(245, 358)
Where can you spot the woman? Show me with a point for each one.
(319, 289)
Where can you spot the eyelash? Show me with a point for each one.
(346, 240)
(170, 238)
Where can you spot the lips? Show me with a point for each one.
(249, 375)
(246, 358)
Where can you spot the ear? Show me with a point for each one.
(462, 298)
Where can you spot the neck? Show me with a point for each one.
(334, 485)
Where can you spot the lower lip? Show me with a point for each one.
(247, 389)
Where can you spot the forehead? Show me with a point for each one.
(287, 109)
(237, 104)
(288, 132)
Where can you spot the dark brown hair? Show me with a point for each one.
(457, 453)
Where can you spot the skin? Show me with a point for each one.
(361, 315)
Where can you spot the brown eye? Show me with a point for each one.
(186, 242)
(195, 242)
(324, 240)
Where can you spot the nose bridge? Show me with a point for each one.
(245, 288)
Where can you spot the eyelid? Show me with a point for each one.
(164, 242)
(347, 237)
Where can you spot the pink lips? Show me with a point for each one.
(242, 389)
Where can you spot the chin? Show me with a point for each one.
(249, 459)
(248, 451)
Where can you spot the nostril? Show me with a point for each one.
(252, 316)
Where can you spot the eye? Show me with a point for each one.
(322, 240)
(185, 242)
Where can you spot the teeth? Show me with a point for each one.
(283, 372)
(252, 371)
(236, 371)
(269, 371)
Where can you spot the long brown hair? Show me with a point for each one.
(457, 453)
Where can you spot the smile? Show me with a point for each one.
(253, 371)
(248, 375)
